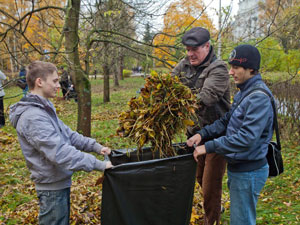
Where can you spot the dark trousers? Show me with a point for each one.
(64, 87)
(210, 172)
(2, 119)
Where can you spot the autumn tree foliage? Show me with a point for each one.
(180, 16)
(64, 32)
(28, 31)
(281, 19)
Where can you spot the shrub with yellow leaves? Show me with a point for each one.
(163, 109)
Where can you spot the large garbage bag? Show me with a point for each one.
(145, 190)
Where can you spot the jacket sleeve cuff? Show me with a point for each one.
(203, 134)
(97, 148)
(100, 165)
(210, 147)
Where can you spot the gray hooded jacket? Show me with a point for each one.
(49, 146)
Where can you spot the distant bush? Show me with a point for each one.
(161, 70)
(274, 58)
(127, 73)
(275, 77)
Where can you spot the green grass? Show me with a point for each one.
(278, 204)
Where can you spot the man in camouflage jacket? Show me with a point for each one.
(208, 79)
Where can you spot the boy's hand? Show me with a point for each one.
(105, 151)
(194, 140)
(108, 165)
(101, 149)
(199, 150)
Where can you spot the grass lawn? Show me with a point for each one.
(278, 204)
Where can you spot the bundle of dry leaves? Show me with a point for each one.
(163, 109)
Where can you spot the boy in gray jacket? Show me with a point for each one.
(51, 149)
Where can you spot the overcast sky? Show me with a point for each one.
(214, 5)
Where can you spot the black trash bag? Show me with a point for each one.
(145, 190)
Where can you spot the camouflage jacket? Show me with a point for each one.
(210, 83)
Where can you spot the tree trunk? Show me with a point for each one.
(81, 82)
(116, 75)
(106, 97)
(115, 68)
(11, 57)
(121, 63)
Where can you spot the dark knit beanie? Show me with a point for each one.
(195, 37)
(246, 56)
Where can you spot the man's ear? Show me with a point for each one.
(38, 82)
(206, 45)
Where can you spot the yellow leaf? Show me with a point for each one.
(194, 216)
(127, 126)
(142, 140)
(188, 122)
(151, 134)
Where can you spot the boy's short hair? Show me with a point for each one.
(38, 69)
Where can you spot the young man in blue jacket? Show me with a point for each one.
(51, 149)
(242, 136)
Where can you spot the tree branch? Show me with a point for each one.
(131, 49)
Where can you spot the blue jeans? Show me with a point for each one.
(54, 207)
(244, 189)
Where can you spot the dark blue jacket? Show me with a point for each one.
(243, 137)
(22, 74)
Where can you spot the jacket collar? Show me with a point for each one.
(27, 102)
(248, 83)
(36, 99)
(39, 101)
